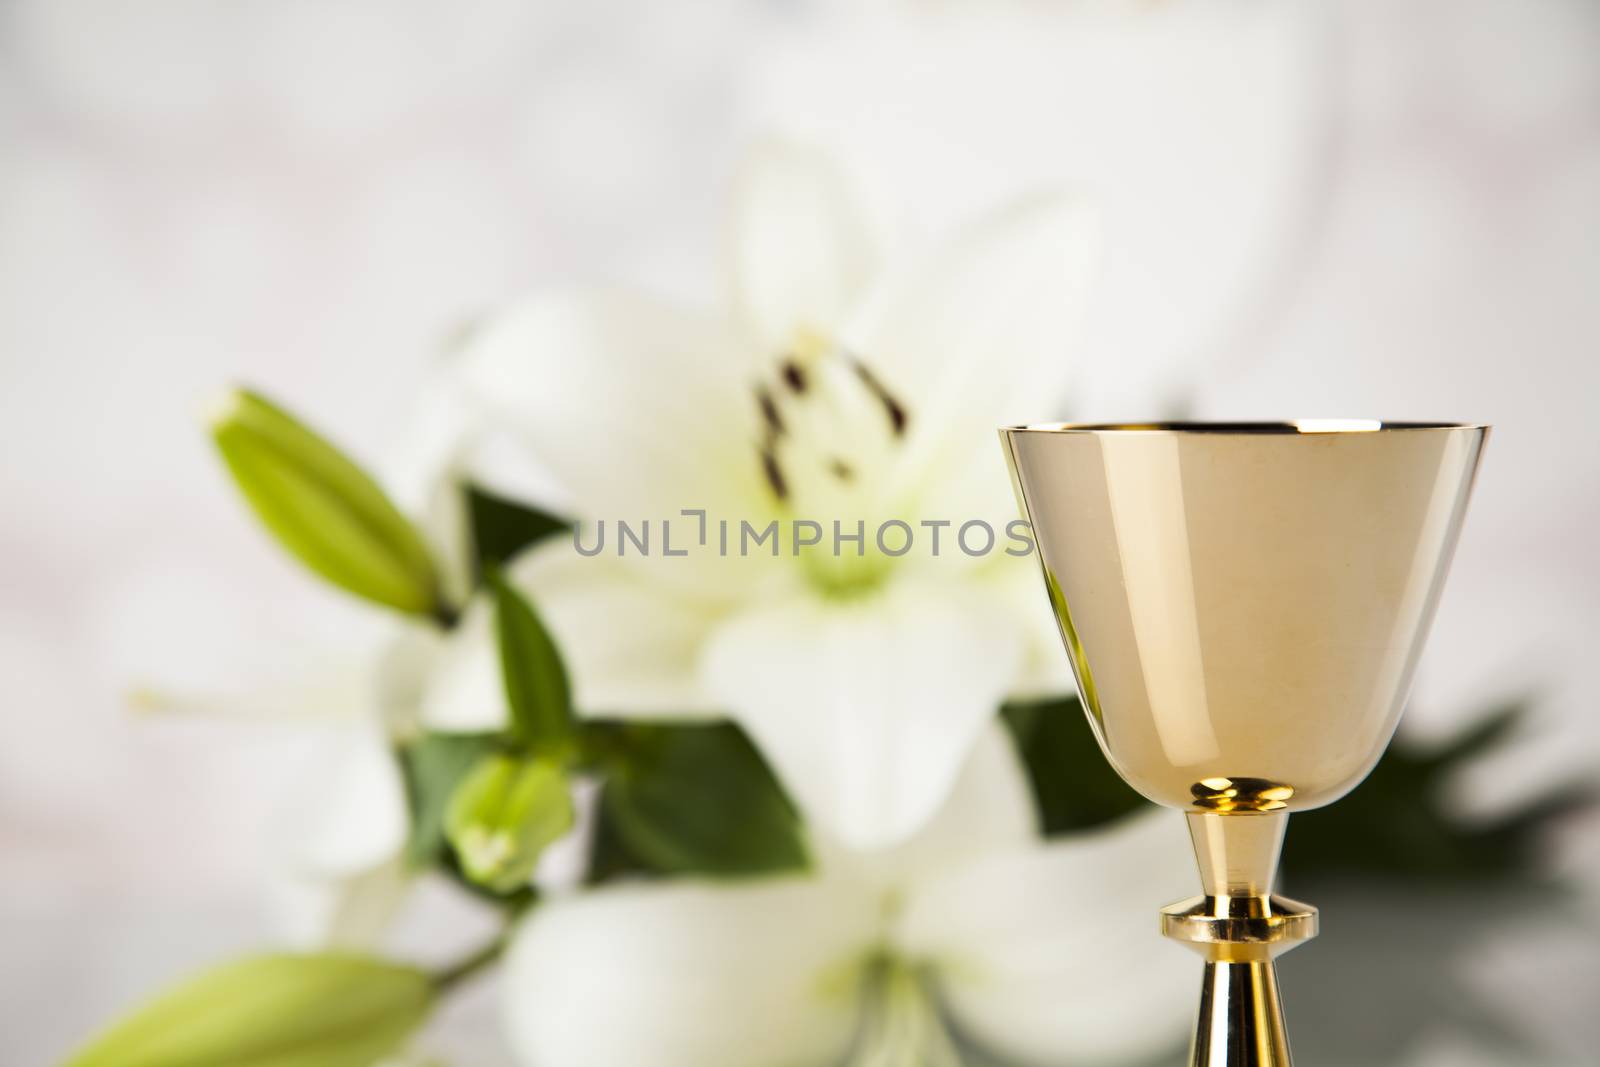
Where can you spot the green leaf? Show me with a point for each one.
(322, 507)
(272, 1011)
(535, 679)
(1400, 822)
(697, 798)
(435, 765)
(1490, 731)
(501, 527)
(1073, 785)
(502, 817)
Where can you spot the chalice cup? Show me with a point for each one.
(1243, 605)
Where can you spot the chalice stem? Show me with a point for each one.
(1241, 1018)
(1239, 926)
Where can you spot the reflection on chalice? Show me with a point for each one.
(1243, 605)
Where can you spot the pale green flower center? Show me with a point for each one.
(902, 1026)
(831, 433)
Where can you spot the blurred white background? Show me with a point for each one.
(1364, 208)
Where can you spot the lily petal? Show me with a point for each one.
(358, 819)
(982, 335)
(342, 877)
(630, 646)
(303, 653)
(1050, 955)
(989, 809)
(867, 706)
(354, 913)
(689, 975)
(464, 693)
(636, 407)
(801, 253)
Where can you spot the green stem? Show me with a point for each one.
(446, 980)
(484, 958)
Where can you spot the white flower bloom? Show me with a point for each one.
(1037, 952)
(338, 878)
(346, 676)
(354, 678)
(342, 879)
(840, 387)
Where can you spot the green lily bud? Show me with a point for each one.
(322, 507)
(502, 817)
(330, 1010)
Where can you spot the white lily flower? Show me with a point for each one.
(354, 678)
(838, 387)
(1036, 952)
(345, 676)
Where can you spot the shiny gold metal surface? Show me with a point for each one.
(1243, 605)
(1241, 1018)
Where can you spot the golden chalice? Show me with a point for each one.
(1243, 605)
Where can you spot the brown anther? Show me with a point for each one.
(892, 407)
(774, 473)
(794, 376)
(769, 411)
